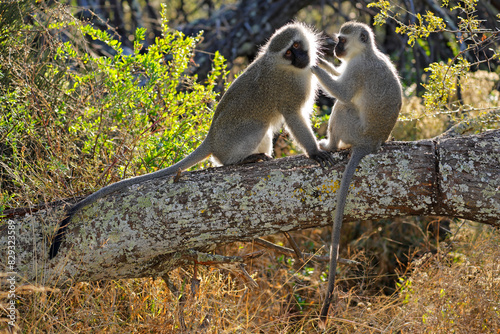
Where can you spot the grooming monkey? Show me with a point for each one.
(369, 97)
(277, 87)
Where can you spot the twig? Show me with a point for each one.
(288, 251)
(295, 247)
(180, 297)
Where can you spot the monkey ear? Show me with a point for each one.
(364, 37)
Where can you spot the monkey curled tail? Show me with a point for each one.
(277, 87)
(369, 98)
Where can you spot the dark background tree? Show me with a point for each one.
(236, 29)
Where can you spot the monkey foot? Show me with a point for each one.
(324, 158)
(255, 158)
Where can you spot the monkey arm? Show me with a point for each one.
(327, 66)
(302, 132)
(342, 88)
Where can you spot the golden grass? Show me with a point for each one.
(453, 290)
(457, 291)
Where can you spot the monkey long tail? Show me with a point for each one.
(201, 153)
(356, 155)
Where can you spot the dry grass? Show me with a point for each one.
(455, 289)
(458, 291)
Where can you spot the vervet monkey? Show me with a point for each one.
(369, 97)
(277, 87)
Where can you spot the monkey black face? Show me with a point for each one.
(297, 55)
(340, 50)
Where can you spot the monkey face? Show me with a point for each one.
(354, 37)
(297, 55)
(340, 48)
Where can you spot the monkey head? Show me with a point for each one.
(295, 43)
(353, 38)
(328, 44)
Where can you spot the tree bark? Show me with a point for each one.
(153, 227)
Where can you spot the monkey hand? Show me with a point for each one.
(320, 68)
(324, 66)
(315, 69)
(324, 158)
(322, 63)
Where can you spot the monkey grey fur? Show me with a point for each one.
(277, 87)
(369, 97)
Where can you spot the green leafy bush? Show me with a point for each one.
(72, 122)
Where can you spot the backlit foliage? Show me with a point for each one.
(68, 115)
(466, 37)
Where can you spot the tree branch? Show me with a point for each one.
(153, 227)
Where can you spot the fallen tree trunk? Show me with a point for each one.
(153, 227)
